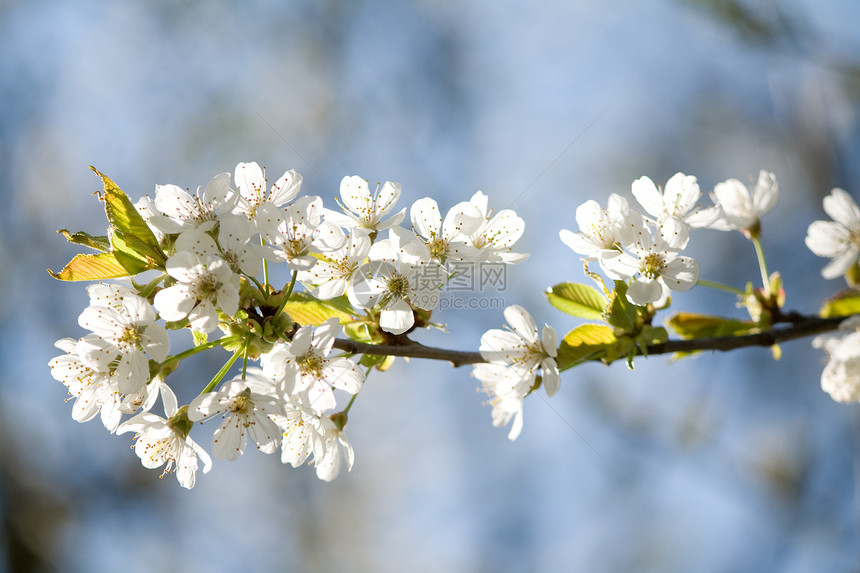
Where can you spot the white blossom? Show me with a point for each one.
(653, 264)
(303, 231)
(202, 286)
(302, 432)
(497, 234)
(738, 209)
(507, 386)
(303, 366)
(446, 240)
(839, 239)
(678, 199)
(147, 209)
(242, 411)
(520, 345)
(841, 375)
(400, 275)
(181, 211)
(361, 209)
(603, 229)
(263, 208)
(127, 330)
(335, 270)
(94, 392)
(161, 441)
(234, 245)
(331, 451)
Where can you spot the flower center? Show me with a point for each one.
(653, 265)
(311, 363)
(242, 403)
(208, 287)
(438, 247)
(398, 286)
(130, 338)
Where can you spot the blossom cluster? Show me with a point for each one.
(513, 357)
(215, 243)
(370, 278)
(839, 240)
(644, 249)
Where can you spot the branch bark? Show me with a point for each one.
(808, 326)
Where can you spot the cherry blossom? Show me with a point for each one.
(839, 239)
(521, 346)
(653, 263)
(302, 231)
(841, 375)
(739, 209)
(303, 366)
(400, 275)
(446, 240)
(678, 199)
(160, 441)
(361, 209)
(180, 211)
(335, 270)
(497, 234)
(242, 410)
(202, 286)
(603, 229)
(262, 207)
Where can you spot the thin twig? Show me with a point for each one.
(809, 326)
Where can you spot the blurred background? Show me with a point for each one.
(719, 463)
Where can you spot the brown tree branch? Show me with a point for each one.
(807, 326)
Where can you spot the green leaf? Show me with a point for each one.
(378, 361)
(691, 325)
(127, 256)
(80, 238)
(844, 303)
(586, 342)
(621, 313)
(578, 300)
(137, 237)
(305, 309)
(91, 267)
(128, 253)
(363, 331)
(624, 347)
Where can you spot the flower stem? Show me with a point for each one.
(204, 346)
(719, 286)
(288, 292)
(348, 406)
(265, 265)
(150, 286)
(221, 373)
(263, 290)
(762, 265)
(245, 357)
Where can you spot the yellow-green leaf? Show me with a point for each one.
(621, 313)
(578, 300)
(844, 303)
(362, 331)
(691, 325)
(586, 342)
(305, 309)
(129, 255)
(91, 267)
(124, 218)
(80, 238)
